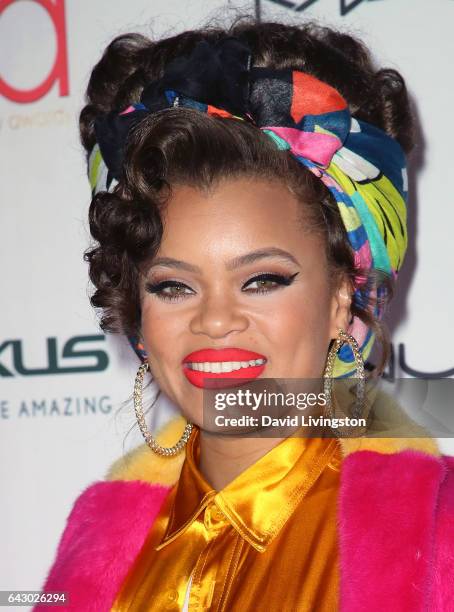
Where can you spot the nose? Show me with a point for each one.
(218, 316)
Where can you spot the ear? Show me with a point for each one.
(340, 307)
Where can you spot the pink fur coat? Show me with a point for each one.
(395, 526)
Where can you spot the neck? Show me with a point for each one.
(223, 458)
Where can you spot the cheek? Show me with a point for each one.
(301, 315)
(299, 331)
(162, 335)
(159, 330)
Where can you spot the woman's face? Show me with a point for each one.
(237, 270)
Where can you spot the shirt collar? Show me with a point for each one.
(261, 499)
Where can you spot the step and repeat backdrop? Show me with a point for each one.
(65, 388)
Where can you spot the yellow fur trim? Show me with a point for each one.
(389, 445)
(142, 464)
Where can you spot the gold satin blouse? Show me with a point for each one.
(268, 539)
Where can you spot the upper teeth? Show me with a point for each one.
(223, 366)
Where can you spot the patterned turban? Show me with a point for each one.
(362, 167)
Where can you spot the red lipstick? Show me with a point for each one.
(225, 359)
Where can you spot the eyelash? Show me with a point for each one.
(281, 279)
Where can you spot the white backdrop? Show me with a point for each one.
(59, 427)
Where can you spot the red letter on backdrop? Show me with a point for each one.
(59, 72)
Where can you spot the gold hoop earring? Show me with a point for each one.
(152, 443)
(342, 337)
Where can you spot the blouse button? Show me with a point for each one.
(172, 595)
(216, 514)
(213, 517)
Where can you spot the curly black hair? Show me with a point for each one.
(184, 146)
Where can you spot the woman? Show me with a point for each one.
(249, 213)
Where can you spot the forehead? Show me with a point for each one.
(234, 216)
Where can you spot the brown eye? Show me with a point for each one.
(174, 290)
(169, 290)
(264, 283)
(268, 282)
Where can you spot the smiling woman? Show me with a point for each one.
(249, 218)
(236, 270)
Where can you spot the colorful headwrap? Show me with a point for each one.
(363, 167)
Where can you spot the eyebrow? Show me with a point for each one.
(233, 264)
